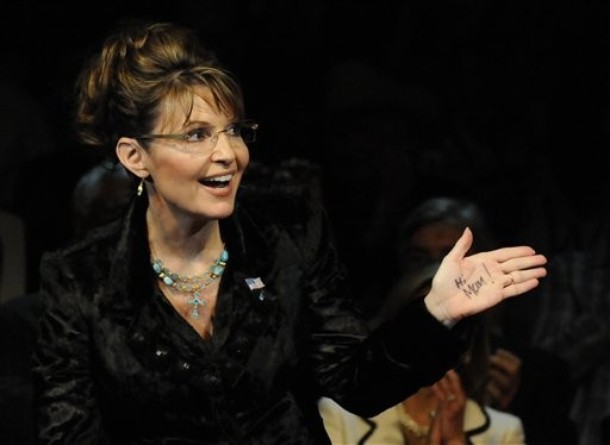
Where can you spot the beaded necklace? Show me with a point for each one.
(193, 284)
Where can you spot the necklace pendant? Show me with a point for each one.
(195, 313)
(196, 302)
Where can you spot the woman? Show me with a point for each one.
(197, 320)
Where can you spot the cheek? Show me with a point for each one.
(243, 158)
(175, 170)
(178, 171)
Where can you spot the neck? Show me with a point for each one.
(187, 237)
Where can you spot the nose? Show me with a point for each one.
(224, 150)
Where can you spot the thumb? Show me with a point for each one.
(435, 435)
(461, 246)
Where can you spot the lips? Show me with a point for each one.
(217, 181)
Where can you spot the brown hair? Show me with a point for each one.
(141, 70)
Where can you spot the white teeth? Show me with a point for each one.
(224, 178)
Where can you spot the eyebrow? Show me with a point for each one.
(190, 123)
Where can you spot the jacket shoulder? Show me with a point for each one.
(87, 252)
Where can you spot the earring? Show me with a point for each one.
(140, 189)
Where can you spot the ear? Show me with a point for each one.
(133, 156)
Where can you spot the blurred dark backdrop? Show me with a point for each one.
(540, 62)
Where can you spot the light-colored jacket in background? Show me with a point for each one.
(345, 428)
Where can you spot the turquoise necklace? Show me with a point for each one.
(192, 285)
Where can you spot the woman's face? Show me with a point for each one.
(197, 178)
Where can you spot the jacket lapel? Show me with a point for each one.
(246, 299)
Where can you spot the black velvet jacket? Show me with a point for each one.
(116, 364)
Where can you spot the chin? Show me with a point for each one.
(220, 211)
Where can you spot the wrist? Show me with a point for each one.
(438, 312)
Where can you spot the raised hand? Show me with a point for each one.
(504, 378)
(465, 286)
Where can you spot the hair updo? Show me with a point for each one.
(142, 69)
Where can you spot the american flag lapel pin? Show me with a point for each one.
(255, 283)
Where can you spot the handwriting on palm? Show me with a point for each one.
(468, 285)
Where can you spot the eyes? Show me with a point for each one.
(207, 133)
(198, 134)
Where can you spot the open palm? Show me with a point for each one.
(465, 286)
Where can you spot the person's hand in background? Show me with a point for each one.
(504, 378)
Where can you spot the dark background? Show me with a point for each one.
(545, 62)
(504, 101)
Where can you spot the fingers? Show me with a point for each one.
(435, 434)
(519, 288)
(461, 246)
(493, 391)
(454, 382)
(505, 369)
(450, 410)
(499, 397)
(520, 273)
(520, 276)
(505, 254)
(522, 262)
(506, 356)
(504, 378)
(502, 381)
(512, 259)
(505, 361)
(449, 388)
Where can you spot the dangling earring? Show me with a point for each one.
(140, 187)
